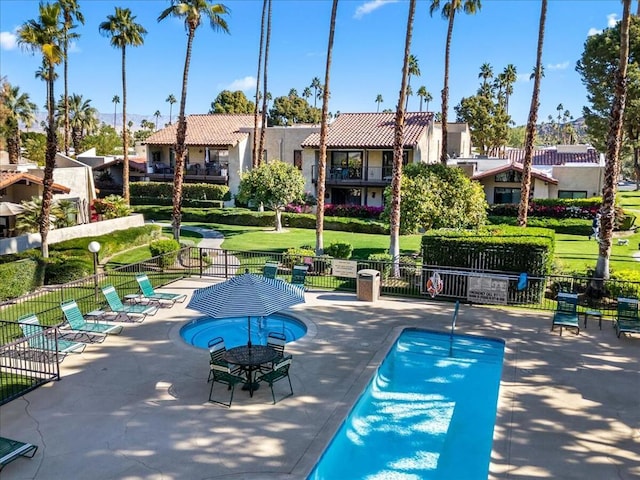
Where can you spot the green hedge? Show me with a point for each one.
(186, 202)
(568, 226)
(190, 191)
(20, 277)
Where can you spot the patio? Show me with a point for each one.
(136, 407)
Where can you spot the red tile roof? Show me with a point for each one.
(135, 163)
(216, 130)
(517, 167)
(9, 177)
(550, 157)
(371, 130)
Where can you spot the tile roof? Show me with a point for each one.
(517, 167)
(9, 177)
(550, 157)
(215, 130)
(371, 130)
(135, 163)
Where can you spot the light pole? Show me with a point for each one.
(94, 247)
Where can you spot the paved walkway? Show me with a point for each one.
(135, 407)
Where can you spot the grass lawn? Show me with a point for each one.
(630, 201)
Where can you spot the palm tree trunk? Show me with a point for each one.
(612, 161)
(523, 207)
(50, 161)
(445, 89)
(263, 129)
(254, 159)
(322, 160)
(181, 135)
(125, 131)
(66, 96)
(398, 146)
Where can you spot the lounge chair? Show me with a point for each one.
(270, 270)
(566, 314)
(299, 274)
(280, 371)
(39, 340)
(79, 325)
(150, 294)
(221, 371)
(12, 449)
(132, 312)
(627, 319)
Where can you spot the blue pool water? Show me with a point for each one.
(428, 413)
(235, 330)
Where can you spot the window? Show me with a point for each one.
(346, 196)
(156, 157)
(345, 165)
(297, 159)
(572, 194)
(510, 176)
(387, 163)
(506, 195)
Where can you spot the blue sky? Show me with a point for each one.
(367, 59)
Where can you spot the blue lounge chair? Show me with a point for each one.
(132, 312)
(79, 325)
(566, 314)
(39, 340)
(627, 319)
(12, 449)
(149, 293)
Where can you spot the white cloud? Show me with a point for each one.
(523, 77)
(558, 66)
(612, 19)
(8, 40)
(593, 31)
(370, 6)
(246, 83)
(73, 47)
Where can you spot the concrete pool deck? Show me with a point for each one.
(135, 406)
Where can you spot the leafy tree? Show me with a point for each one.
(274, 185)
(19, 109)
(289, 111)
(106, 141)
(231, 102)
(35, 145)
(436, 196)
(515, 137)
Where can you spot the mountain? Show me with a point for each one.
(107, 118)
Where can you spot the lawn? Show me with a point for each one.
(630, 201)
(579, 254)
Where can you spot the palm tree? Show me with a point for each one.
(449, 10)
(612, 160)
(18, 109)
(44, 35)
(171, 99)
(427, 98)
(192, 12)
(379, 100)
(43, 74)
(265, 99)
(414, 69)
(157, 115)
(530, 135)
(317, 86)
(124, 32)
(255, 159)
(70, 13)
(398, 148)
(324, 121)
(559, 109)
(83, 119)
(115, 100)
(422, 93)
(486, 72)
(509, 77)
(306, 93)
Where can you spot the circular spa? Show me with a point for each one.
(235, 330)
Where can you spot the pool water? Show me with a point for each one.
(428, 413)
(235, 330)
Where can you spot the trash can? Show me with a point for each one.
(368, 285)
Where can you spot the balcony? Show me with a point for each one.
(355, 176)
(194, 174)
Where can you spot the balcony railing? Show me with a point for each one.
(355, 175)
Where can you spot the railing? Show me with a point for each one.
(350, 174)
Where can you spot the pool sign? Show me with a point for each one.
(488, 289)
(344, 268)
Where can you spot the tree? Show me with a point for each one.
(559, 109)
(449, 10)
(379, 100)
(612, 160)
(509, 77)
(274, 185)
(83, 119)
(19, 109)
(306, 93)
(192, 12)
(317, 86)
(422, 94)
(255, 158)
(105, 140)
(157, 115)
(487, 119)
(44, 35)
(35, 145)
(324, 121)
(70, 13)
(486, 72)
(530, 135)
(263, 129)
(231, 102)
(124, 32)
(414, 70)
(171, 100)
(115, 100)
(290, 111)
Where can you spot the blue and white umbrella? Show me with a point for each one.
(247, 294)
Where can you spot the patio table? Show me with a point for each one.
(249, 359)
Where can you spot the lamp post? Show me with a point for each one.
(94, 247)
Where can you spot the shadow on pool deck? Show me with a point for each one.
(136, 407)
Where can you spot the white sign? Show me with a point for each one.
(344, 268)
(488, 289)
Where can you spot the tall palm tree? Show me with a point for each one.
(255, 159)
(414, 69)
(115, 100)
(43, 74)
(398, 148)
(83, 119)
(422, 93)
(124, 32)
(44, 35)
(530, 135)
(428, 98)
(19, 109)
(486, 72)
(449, 10)
(70, 14)
(317, 86)
(265, 100)
(509, 77)
(171, 99)
(379, 100)
(306, 93)
(612, 159)
(192, 12)
(157, 115)
(559, 109)
(324, 121)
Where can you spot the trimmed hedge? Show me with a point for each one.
(20, 277)
(568, 226)
(190, 191)
(186, 202)
(164, 247)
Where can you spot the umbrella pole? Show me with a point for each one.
(249, 324)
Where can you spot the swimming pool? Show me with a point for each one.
(235, 330)
(428, 413)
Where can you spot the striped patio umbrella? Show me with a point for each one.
(247, 294)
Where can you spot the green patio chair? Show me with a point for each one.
(627, 319)
(280, 371)
(299, 274)
(39, 340)
(149, 293)
(277, 341)
(270, 270)
(220, 371)
(12, 449)
(566, 314)
(79, 325)
(131, 312)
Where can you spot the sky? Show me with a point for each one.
(367, 54)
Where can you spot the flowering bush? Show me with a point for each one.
(353, 211)
(547, 210)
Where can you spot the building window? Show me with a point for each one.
(345, 165)
(572, 194)
(346, 196)
(156, 157)
(387, 162)
(297, 159)
(506, 195)
(510, 176)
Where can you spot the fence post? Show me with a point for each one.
(201, 260)
(226, 264)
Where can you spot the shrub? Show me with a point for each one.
(65, 269)
(627, 221)
(339, 250)
(624, 289)
(190, 191)
(353, 211)
(296, 256)
(568, 226)
(20, 277)
(381, 262)
(113, 206)
(168, 249)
